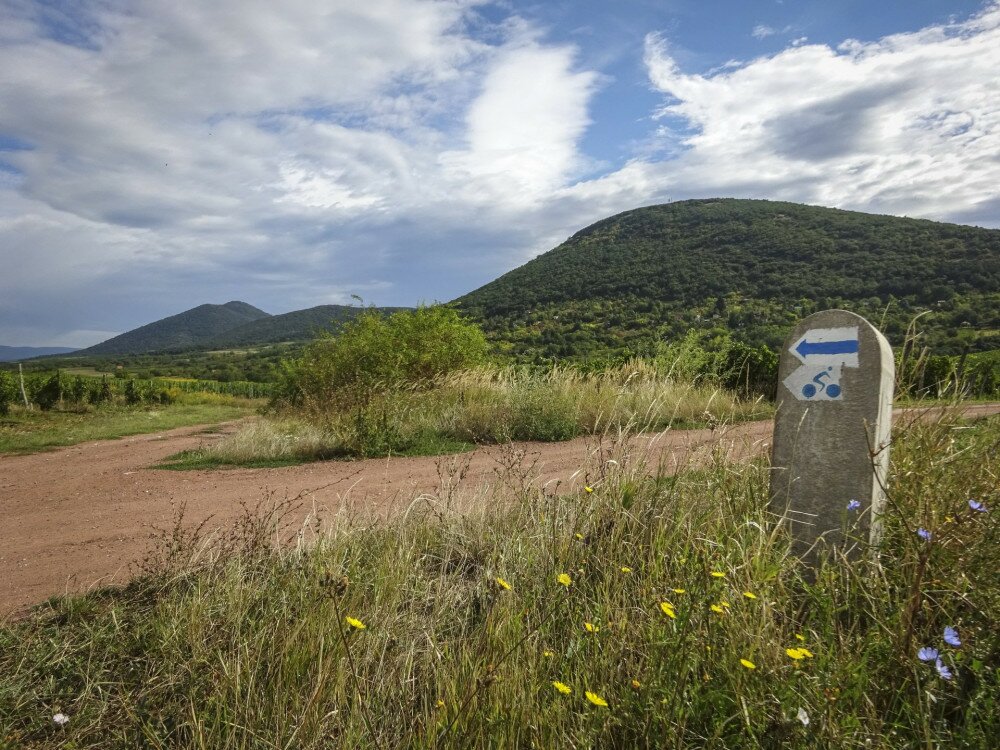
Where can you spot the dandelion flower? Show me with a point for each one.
(927, 654)
(580, 537)
(588, 489)
(591, 627)
(61, 719)
(749, 595)
(355, 623)
(546, 652)
(717, 609)
(951, 637)
(853, 505)
(800, 637)
(978, 506)
(795, 653)
(924, 534)
(626, 569)
(717, 574)
(668, 609)
(942, 670)
(562, 687)
(725, 604)
(503, 584)
(440, 703)
(805, 652)
(748, 664)
(679, 591)
(596, 699)
(636, 684)
(564, 579)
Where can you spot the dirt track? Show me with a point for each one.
(77, 517)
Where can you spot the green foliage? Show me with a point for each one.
(373, 355)
(247, 644)
(753, 268)
(8, 392)
(47, 393)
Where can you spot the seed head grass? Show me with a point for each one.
(244, 642)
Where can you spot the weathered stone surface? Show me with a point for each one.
(831, 432)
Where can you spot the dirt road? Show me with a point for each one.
(77, 517)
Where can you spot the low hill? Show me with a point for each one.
(18, 353)
(628, 282)
(299, 325)
(187, 330)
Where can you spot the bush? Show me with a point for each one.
(374, 355)
(49, 392)
(8, 391)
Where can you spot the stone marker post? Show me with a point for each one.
(835, 380)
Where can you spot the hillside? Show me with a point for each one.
(16, 353)
(622, 285)
(299, 325)
(186, 330)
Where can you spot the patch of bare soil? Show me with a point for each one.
(79, 517)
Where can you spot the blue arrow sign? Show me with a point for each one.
(805, 348)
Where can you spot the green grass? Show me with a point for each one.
(244, 643)
(486, 406)
(30, 431)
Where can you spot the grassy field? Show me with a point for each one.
(24, 431)
(484, 406)
(642, 611)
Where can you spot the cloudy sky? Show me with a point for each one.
(157, 155)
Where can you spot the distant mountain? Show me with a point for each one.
(17, 353)
(187, 330)
(299, 325)
(628, 282)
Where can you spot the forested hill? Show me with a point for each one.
(189, 329)
(753, 267)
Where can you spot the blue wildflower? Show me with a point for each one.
(978, 506)
(924, 534)
(853, 505)
(927, 654)
(942, 670)
(951, 637)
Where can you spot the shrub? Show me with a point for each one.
(373, 355)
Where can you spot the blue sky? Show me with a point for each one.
(155, 156)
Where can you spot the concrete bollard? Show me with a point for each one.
(830, 452)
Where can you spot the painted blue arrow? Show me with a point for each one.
(805, 348)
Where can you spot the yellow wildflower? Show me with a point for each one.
(355, 623)
(626, 569)
(717, 609)
(636, 684)
(668, 610)
(717, 574)
(749, 595)
(580, 537)
(503, 584)
(748, 664)
(588, 489)
(679, 591)
(800, 637)
(805, 652)
(440, 703)
(591, 627)
(564, 579)
(725, 604)
(546, 652)
(596, 699)
(795, 653)
(562, 687)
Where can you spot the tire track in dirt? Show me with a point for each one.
(78, 517)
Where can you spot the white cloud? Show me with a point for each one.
(909, 124)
